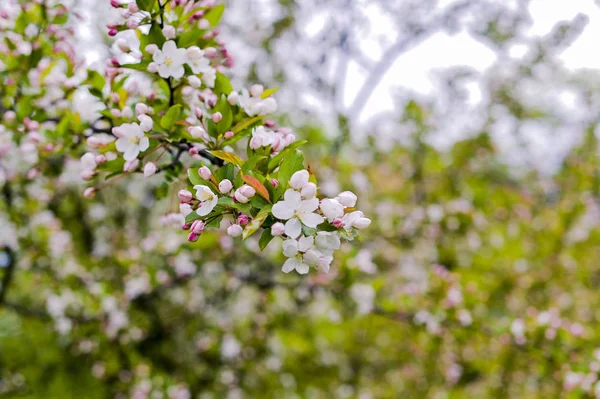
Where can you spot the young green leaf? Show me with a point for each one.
(173, 114)
(255, 224)
(228, 157)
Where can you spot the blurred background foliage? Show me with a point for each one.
(478, 277)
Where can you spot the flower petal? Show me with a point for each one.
(305, 243)
(293, 228)
(282, 210)
(290, 248)
(308, 205)
(293, 197)
(311, 219)
(289, 265)
(302, 268)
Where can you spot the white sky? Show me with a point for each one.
(413, 69)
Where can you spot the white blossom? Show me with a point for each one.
(170, 60)
(296, 210)
(131, 140)
(208, 200)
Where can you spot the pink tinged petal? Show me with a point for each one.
(122, 144)
(305, 243)
(164, 71)
(312, 219)
(308, 205)
(302, 268)
(293, 228)
(205, 208)
(290, 265)
(293, 197)
(290, 248)
(178, 73)
(299, 179)
(144, 144)
(159, 57)
(282, 210)
(311, 257)
(169, 47)
(131, 153)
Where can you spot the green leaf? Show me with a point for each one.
(191, 217)
(140, 66)
(246, 123)
(267, 93)
(227, 157)
(226, 172)
(251, 163)
(265, 239)
(154, 36)
(224, 108)
(230, 203)
(290, 165)
(173, 114)
(214, 15)
(276, 160)
(222, 85)
(256, 222)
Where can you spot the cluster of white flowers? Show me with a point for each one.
(277, 139)
(253, 102)
(302, 212)
(169, 61)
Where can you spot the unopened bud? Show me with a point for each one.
(235, 230)
(277, 229)
(338, 223)
(169, 32)
(228, 134)
(204, 173)
(217, 117)
(185, 195)
(89, 192)
(225, 186)
(198, 227)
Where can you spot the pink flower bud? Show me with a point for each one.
(247, 191)
(203, 24)
(204, 173)
(269, 123)
(228, 134)
(131, 166)
(217, 117)
(112, 32)
(186, 226)
(112, 25)
(193, 237)
(210, 52)
(89, 192)
(256, 90)
(239, 197)
(115, 62)
(115, 3)
(32, 173)
(347, 198)
(299, 179)
(243, 220)
(146, 123)
(87, 174)
(198, 227)
(153, 67)
(141, 108)
(133, 7)
(115, 112)
(275, 183)
(100, 159)
(151, 49)
(235, 230)
(195, 82)
(277, 229)
(10, 116)
(185, 195)
(132, 24)
(338, 223)
(150, 169)
(169, 32)
(187, 91)
(225, 186)
(309, 190)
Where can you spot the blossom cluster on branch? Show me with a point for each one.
(191, 111)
